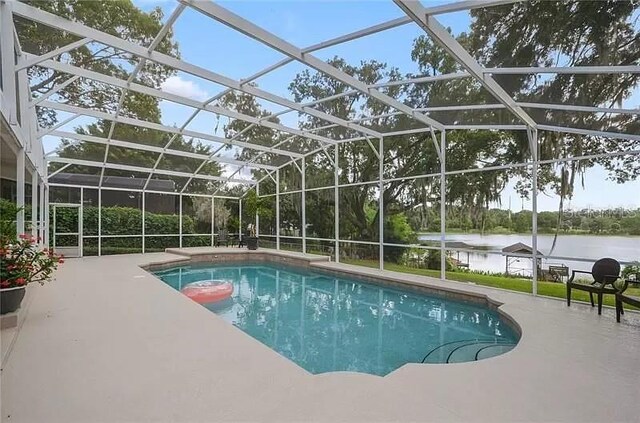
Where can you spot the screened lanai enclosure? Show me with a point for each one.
(178, 123)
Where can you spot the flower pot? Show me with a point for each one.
(11, 298)
(252, 242)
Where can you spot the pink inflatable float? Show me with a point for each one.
(206, 292)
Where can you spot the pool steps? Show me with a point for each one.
(467, 350)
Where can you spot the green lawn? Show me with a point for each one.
(549, 289)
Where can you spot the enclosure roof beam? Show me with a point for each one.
(594, 70)
(325, 44)
(58, 170)
(393, 23)
(562, 129)
(493, 127)
(574, 108)
(185, 101)
(49, 19)
(176, 135)
(203, 164)
(407, 81)
(163, 128)
(446, 8)
(374, 29)
(441, 36)
(407, 132)
(259, 155)
(423, 79)
(47, 131)
(240, 24)
(579, 131)
(139, 169)
(164, 30)
(486, 127)
(53, 90)
(453, 127)
(35, 60)
(155, 149)
(497, 106)
(182, 100)
(384, 26)
(421, 109)
(466, 5)
(429, 110)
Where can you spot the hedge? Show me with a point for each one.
(125, 221)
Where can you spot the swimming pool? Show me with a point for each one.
(326, 323)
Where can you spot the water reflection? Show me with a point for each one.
(328, 324)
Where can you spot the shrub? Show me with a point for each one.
(122, 221)
(433, 261)
(21, 262)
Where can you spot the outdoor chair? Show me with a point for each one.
(604, 273)
(223, 238)
(622, 298)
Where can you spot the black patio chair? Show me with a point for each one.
(622, 298)
(604, 273)
(223, 238)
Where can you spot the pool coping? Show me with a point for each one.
(429, 286)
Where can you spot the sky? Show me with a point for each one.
(302, 23)
(209, 44)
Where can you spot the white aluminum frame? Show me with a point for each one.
(19, 110)
(143, 209)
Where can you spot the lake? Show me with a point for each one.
(590, 247)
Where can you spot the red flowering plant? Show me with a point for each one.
(22, 262)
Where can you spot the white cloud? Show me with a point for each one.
(179, 86)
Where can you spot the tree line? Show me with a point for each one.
(499, 221)
(522, 34)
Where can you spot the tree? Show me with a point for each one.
(320, 213)
(116, 17)
(140, 158)
(124, 20)
(397, 231)
(254, 134)
(567, 34)
(631, 223)
(521, 34)
(356, 160)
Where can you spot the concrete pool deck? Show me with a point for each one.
(108, 342)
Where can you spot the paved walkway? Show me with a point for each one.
(108, 342)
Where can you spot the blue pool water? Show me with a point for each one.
(325, 323)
